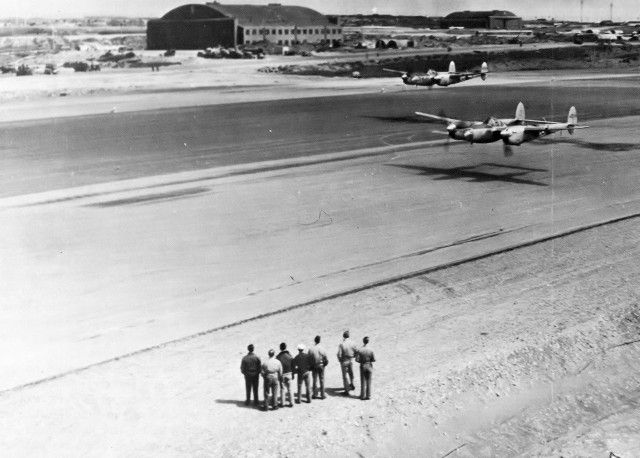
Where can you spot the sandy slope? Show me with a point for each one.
(513, 355)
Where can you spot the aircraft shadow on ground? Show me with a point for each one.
(613, 147)
(469, 173)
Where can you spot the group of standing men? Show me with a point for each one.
(278, 372)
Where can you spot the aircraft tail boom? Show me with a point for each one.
(572, 120)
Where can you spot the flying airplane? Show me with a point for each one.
(511, 131)
(432, 77)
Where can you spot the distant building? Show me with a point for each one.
(495, 19)
(213, 24)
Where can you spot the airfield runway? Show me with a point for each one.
(136, 229)
(123, 232)
(60, 153)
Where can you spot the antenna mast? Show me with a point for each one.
(611, 11)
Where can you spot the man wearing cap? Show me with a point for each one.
(319, 357)
(286, 360)
(302, 365)
(366, 358)
(346, 354)
(272, 374)
(250, 367)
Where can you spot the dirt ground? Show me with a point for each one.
(532, 352)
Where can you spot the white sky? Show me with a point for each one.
(593, 10)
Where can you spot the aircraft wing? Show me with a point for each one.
(538, 122)
(394, 71)
(465, 74)
(438, 118)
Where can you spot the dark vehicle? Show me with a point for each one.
(110, 57)
(82, 66)
(24, 70)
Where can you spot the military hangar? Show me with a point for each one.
(495, 19)
(199, 26)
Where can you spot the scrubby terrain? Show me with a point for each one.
(560, 58)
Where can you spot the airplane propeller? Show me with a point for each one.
(506, 150)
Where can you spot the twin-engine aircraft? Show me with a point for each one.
(511, 131)
(432, 77)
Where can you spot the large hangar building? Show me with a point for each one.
(495, 19)
(199, 26)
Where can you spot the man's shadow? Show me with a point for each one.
(339, 393)
(238, 403)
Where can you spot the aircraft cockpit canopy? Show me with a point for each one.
(493, 122)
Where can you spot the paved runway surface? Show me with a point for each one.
(66, 152)
(348, 191)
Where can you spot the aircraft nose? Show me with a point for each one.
(451, 127)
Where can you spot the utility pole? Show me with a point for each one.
(611, 11)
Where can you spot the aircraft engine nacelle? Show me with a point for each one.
(513, 136)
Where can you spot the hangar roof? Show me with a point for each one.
(272, 14)
(192, 12)
(479, 14)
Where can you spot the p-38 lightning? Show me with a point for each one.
(514, 131)
(432, 77)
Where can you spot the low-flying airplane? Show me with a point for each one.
(432, 77)
(511, 131)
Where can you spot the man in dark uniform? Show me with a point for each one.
(250, 367)
(286, 360)
(302, 365)
(366, 358)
